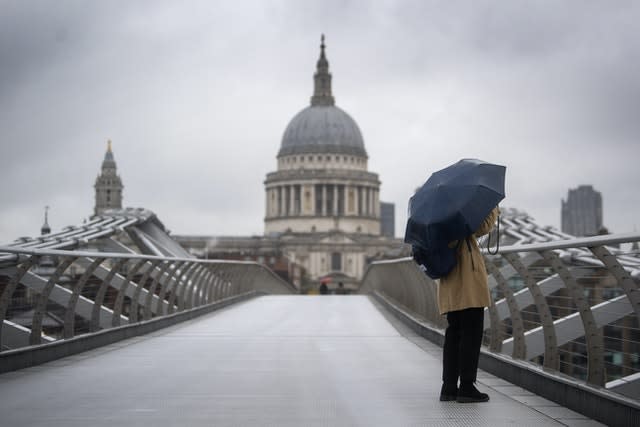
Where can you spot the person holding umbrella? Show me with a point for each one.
(462, 296)
(446, 215)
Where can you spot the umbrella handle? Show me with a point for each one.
(497, 238)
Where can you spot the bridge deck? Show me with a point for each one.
(276, 360)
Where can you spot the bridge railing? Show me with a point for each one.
(571, 306)
(49, 295)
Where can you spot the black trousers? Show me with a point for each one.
(462, 341)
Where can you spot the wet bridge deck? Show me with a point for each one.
(275, 360)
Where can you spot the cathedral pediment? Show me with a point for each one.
(339, 238)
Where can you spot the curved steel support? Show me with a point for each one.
(593, 334)
(624, 280)
(208, 287)
(551, 359)
(122, 292)
(41, 307)
(181, 283)
(225, 284)
(203, 294)
(70, 312)
(188, 285)
(5, 299)
(171, 284)
(102, 291)
(133, 311)
(195, 287)
(152, 290)
(217, 291)
(517, 327)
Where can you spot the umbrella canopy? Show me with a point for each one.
(453, 202)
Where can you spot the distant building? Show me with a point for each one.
(582, 212)
(322, 182)
(388, 219)
(322, 213)
(108, 185)
(322, 199)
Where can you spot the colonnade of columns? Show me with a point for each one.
(323, 200)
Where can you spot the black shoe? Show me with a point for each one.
(448, 392)
(468, 393)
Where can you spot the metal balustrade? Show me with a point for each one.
(571, 306)
(48, 295)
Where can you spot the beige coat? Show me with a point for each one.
(466, 285)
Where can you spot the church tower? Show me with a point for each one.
(45, 227)
(108, 185)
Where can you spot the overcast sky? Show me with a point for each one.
(196, 96)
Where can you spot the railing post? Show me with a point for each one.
(135, 303)
(187, 287)
(5, 299)
(95, 316)
(117, 308)
(551, 359)
(208, 293)
(41, 307)
(593, 334)
(188, 269)
(152, 290)
(621, 275)
(211, 285)
(171, 284)
(517, 327)
(70, 312)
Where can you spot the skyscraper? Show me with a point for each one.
(108, 185)
(582, 212)
(388, 219)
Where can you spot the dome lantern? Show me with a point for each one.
(322, 80)
(322, 127)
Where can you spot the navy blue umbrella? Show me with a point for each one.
(453, 202)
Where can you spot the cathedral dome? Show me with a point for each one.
(322, 129)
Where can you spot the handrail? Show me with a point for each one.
(112, 255)
(51, 294)
(579, 242)
(571, 305)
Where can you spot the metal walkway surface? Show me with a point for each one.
(270, 361)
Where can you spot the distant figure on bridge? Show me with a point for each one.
(462, 296)
(341, 290)
(324, 289)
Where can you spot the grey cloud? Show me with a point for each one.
(196, 96)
